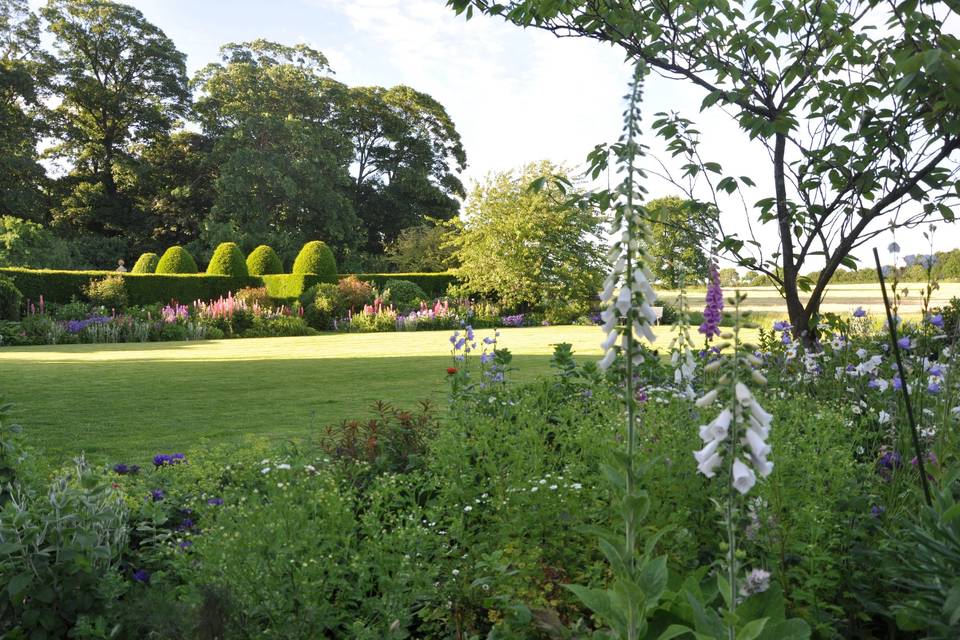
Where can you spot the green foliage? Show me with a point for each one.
(528, 247)
(433, 284)
(228, 260)
(146, 263)
(109, 292)
(142, 288)
(28, 244)
(280, 326)
(404, 294)
(264, 261)
(289, 286)
(678, 231)
(322, 304)
(10, 299)
(421, 248)
(316, 258)
(60, 564)
(922, 563)
(122, 82)
(355, 292)
(176, 259)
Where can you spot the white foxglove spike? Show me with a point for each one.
(608, 289)
(764, 467)
(611, 339)
(624, 300)
(743, 477)
(760, 413)
(707, 452)
(707, 399)
(607, 360)
(743, 393)
(758, 448)
(709, 466)
(644, 330)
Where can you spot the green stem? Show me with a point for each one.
(732, 494)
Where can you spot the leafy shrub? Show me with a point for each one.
(264, 261)
(355, 292)
(227, 260)
(951, 317)
(316, 258)
(670, 314)
(27, 244)
(254, 296)
(434, 284)
(278, 327)
(109, 292)
(383, 319)
(146, 263)
(61, 558)
(322, 304)
(10, 299)
(404, 294)
(176, 259)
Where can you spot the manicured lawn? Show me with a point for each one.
(118, 401)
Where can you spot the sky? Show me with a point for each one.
(515, 95)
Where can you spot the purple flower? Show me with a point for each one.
(216, 502)
(859, 312)
(121, 469)
(936, 371)
(897, 383)
(177, 458)
(512, 321)
(933, 387)
(713, 310)
(936, 320)
(162, 459)
(185, 524)
(873, 384)
(891, 460)
(785, 339)
(186, 544)
(904, 342)
(142, 575)
(876, 511)
(486, 358)
(782, 325)
(931, 458)
(157, 494)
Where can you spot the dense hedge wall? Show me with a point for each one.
(142, 288)
(434, 284)
(289, 286)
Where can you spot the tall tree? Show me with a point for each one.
(24, 72)
(282, 163)
(678, 228)
(407, 157)
(861, 124)
(529, 247)
(122, 82)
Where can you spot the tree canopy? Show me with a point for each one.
(678, 229)
(856, 104)
(528, 247)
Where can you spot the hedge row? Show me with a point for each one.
(142, 288)
(290, 286)
(433, 284)
(148, 288)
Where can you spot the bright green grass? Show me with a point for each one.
(129, 401)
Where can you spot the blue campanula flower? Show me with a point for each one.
(904, 343)
(782, 325)
(936, 320)
(859, 312)
(157, 494)
(142, 575)
(216, 502)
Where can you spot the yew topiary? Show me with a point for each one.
(264, 261)
(176, 259)
(227, 260)
(316, 258)
(146, 263)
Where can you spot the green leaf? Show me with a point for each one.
(18, 584)
(792, 629)
(752, 630)
(675, 631)
(653, 578)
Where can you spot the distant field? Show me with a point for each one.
(840, 298)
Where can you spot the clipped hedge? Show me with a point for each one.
(10, 299)
(290, 286)
(264, 261)
(142, 288)
(316, 258)
(176, 259)
(228, 260)
(433, 284)
(146, 263)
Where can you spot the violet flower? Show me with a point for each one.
(713, 310)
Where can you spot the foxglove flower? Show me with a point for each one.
(627, 294)
(713, 310)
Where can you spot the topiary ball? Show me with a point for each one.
(146, 263)
(227, 260)
(264, 261)
(176, 259)
(316, 258)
